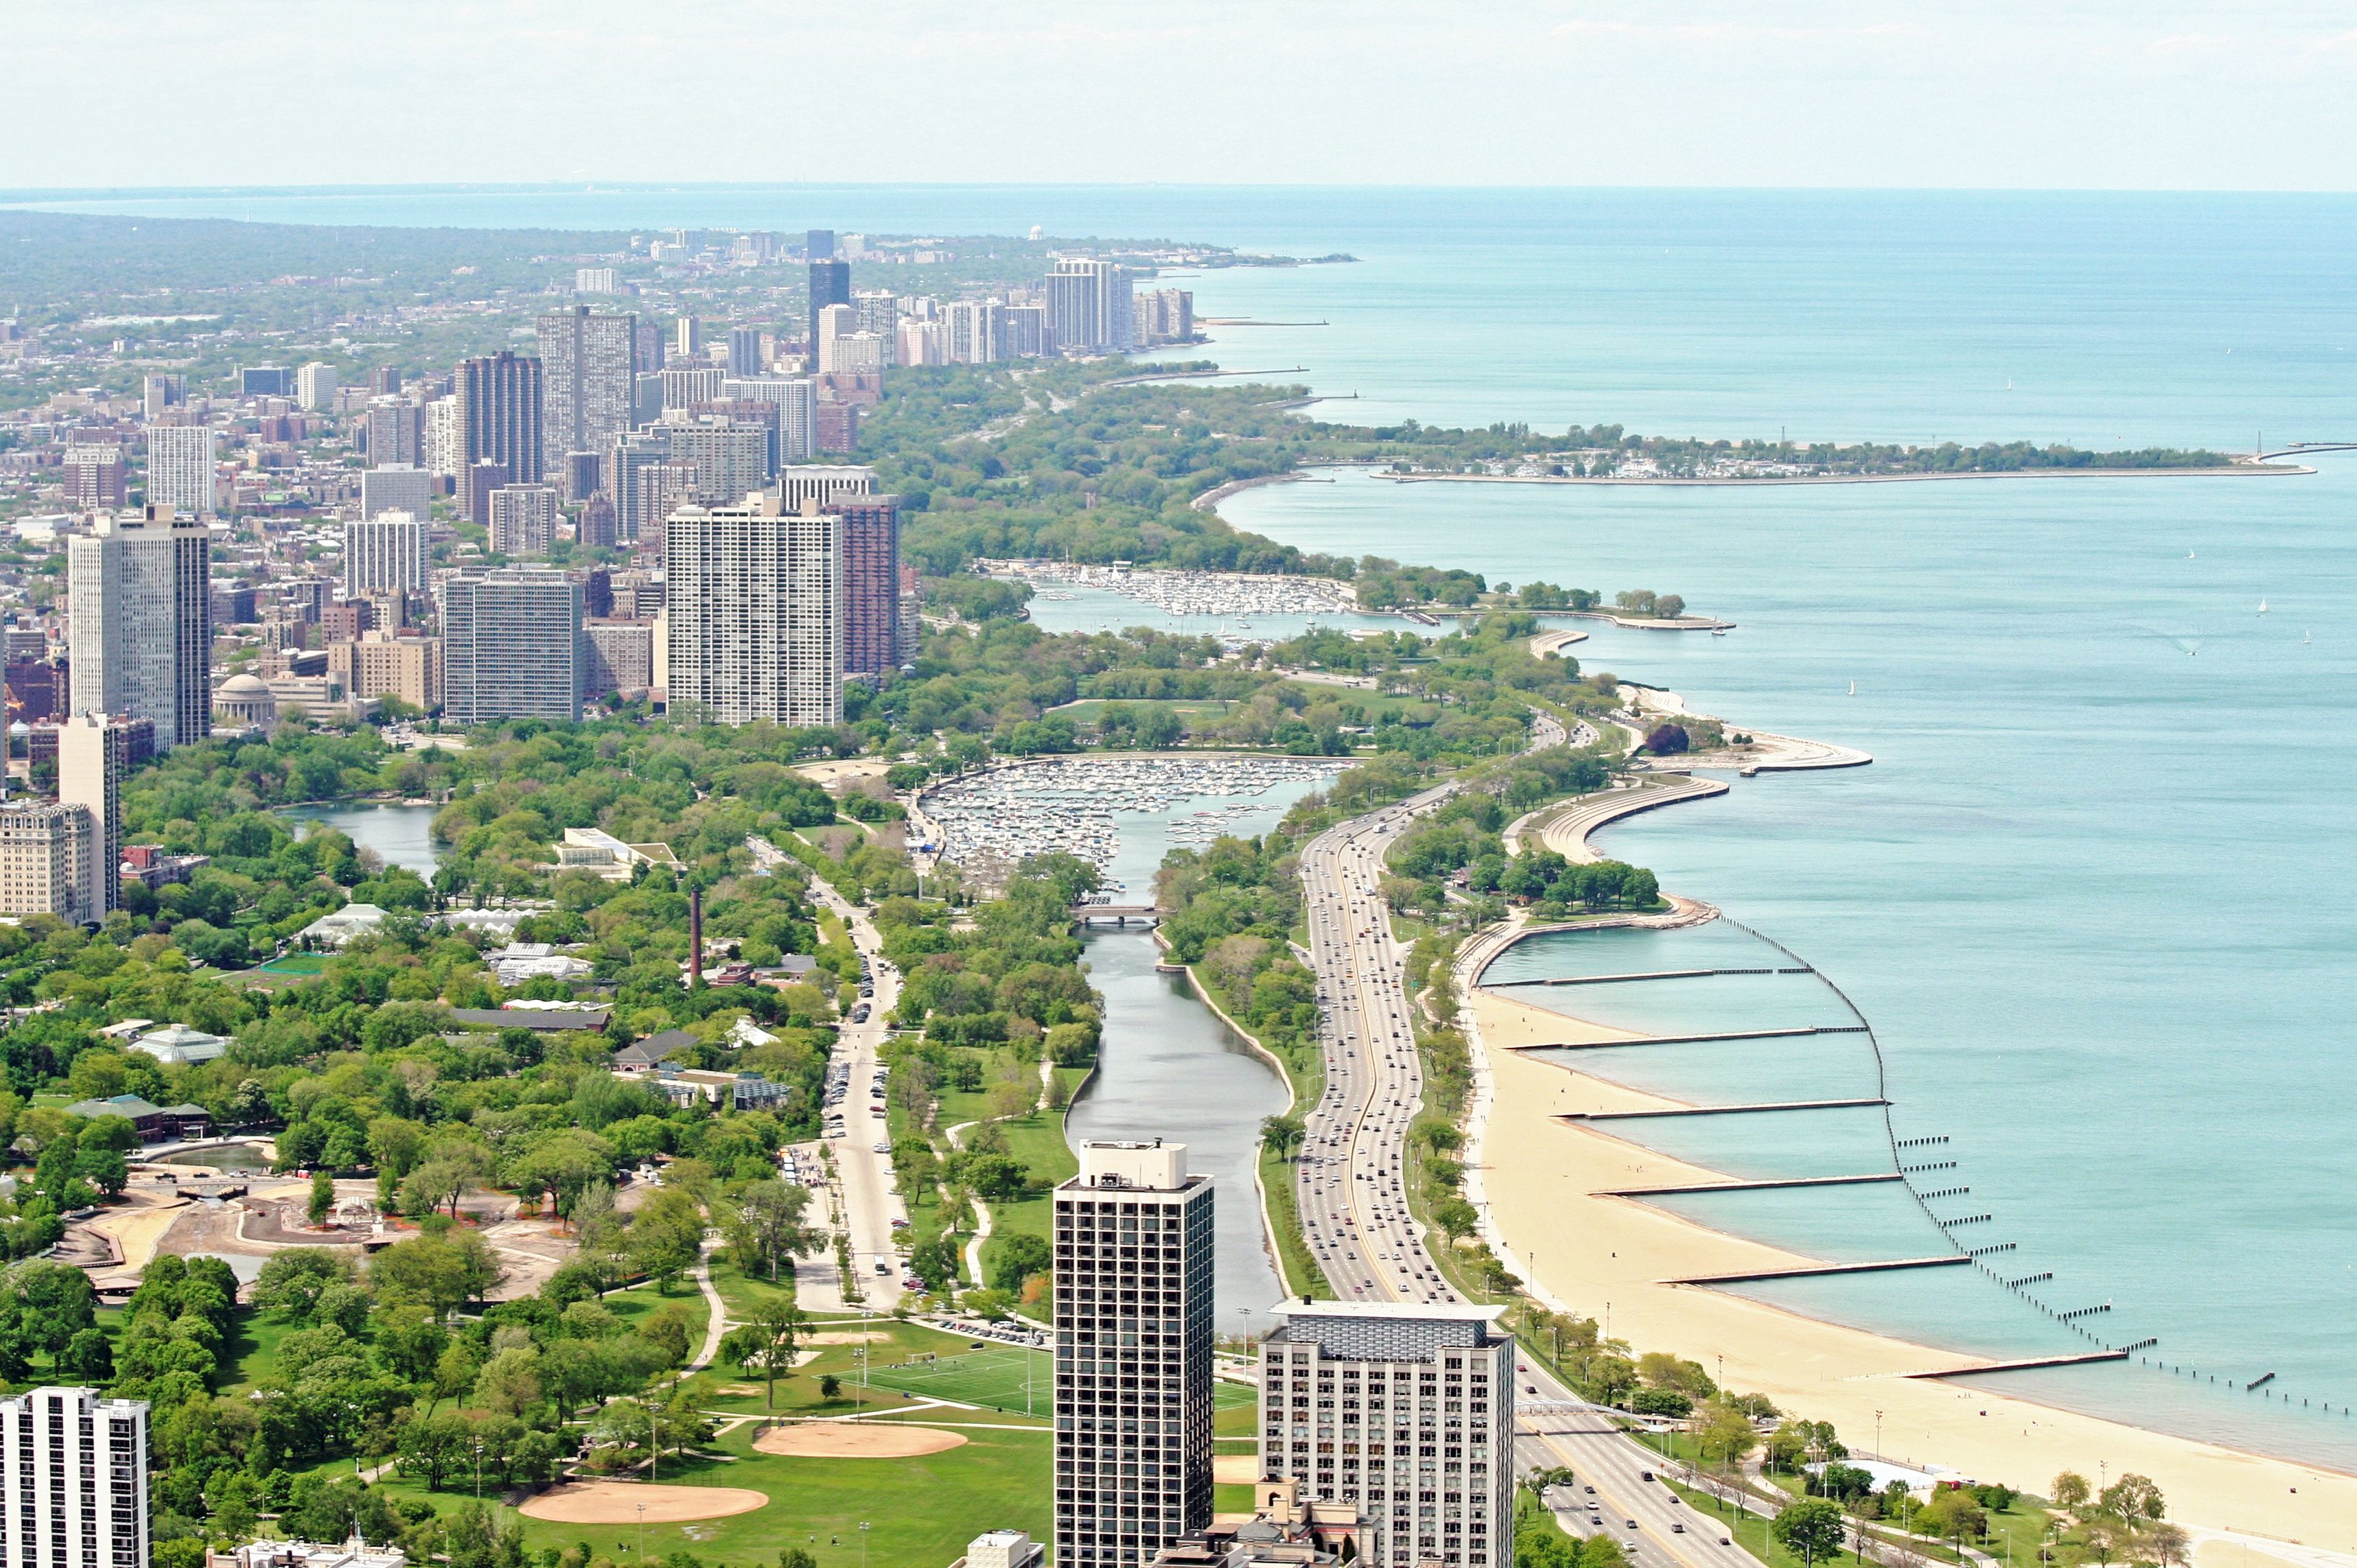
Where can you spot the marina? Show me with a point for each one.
(1120, 813)
(1214, 594)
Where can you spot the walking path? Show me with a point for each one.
(718, 1324)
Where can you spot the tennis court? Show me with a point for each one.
(995, 1377)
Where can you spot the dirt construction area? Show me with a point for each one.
(850, 1440)
(618, 1502)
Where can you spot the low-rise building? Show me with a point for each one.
(644, 1056)
(598, 851)
(1003, 1548)
(520, 961)
(177, 1044)
(737, 1091)
(335, 929)
(1284, 1532)
(352, 1553)
(156, 1124)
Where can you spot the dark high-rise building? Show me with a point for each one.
(265, 381)
(479, 481)
(1133, 1239)
(647, 336)
(581, 476)
(830, 284)
(500, 401)
(384, 378)
(38, 689)
(871, 583)
(598, 593)
(744, 350)
(819, 244)
(588, 365)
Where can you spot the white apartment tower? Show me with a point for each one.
(588, 365)
(1406, 1409)
(140, 595)
(181, 468)
(1133, 1238)
(77, 1467)
(446, 437)
(315, 387)
(93, 754)
(797, 401)
(386, 554)
(822, 484)
(753, 596)
(1088, 304)
(511, 646)
(397, 486)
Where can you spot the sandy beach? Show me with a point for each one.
(1537, 1178)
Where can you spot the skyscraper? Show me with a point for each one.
(731, 459)
(524, 520)
(977, 332)
(822, 484)
(88, 1508)
(511, 646)
(396, 488)
(160, 390)
(396, 433)
(386, 554)
(93, 754)
(871, 583)
(1133, 1237)
(500, 414)
(797, 401)
(446, 438)
(754, 600)
(588, 362)
(687, 338)
(830, 284)
(835, 324)
(140, 598)
(818, 244)
(181, 468)
(1405, 1409)
(315, 387)
(744, 350)
(1088, 304)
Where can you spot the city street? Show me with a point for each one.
(869, 1202)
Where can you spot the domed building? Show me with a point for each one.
(243, 702)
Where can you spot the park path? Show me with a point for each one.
(718, 1325)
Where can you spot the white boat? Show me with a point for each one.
(1853, 688)
(2263, 606)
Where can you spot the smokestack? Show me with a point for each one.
(695, 936)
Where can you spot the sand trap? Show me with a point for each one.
(840, 1336)
(1236, 1469)
(856, 1440)
(618, 1502)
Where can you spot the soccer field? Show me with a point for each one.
(995, 1377)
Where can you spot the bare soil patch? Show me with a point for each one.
(618, 1502)
(857, 1440)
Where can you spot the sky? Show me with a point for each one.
(2003, 94)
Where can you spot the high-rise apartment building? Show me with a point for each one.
(754, 601)
(685, 385)
(46, 851)
(621, 656)
(744, 350)
(396, 433)
(832, 325)
(1404, 1409)
(524, 520)
(818, 244)
(397, 487)
(797, 401)
(830, 284)
(511, 646)
(595, 280)
(500, 403)
(687, 337)
(385, 553)
(1132, 1240)
(446, 437)
(919, 342)
(1088, 304)
(381, 664)
(139, 593)
(822, 485)
(580, 475)
(974, 332)
(180, 460)
(1028, 334)
(95, 752)
(730, 459)
(77, 1468)
(93, 475)
(160, 390)
(315, 387)
(871, 583)
(588, 367)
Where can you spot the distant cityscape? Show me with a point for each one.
(670, 510)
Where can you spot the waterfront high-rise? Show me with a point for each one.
(386, 554)
(871, 583)
(93, 755)
(753, 596)
(500, 403)
(1132, 1247)
(140, 598)
(85, 1504)
(588, 367)
(830, 284)
(511, 646)
(975, 333)
(1088, 304)
(1404, 1409)
(180, 460)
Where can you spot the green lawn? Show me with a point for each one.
(1037, 1140)
(995, 1376)
(295, 963)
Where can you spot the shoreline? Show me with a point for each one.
(1604, 1256)
(2239, 470)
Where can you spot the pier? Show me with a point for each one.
(1814, 1270)
(1729, 1034)
(2028, 1364)
(1752, 1109)
(1771, 1183)
(1645, 974)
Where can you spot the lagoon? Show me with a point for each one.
(399, 833)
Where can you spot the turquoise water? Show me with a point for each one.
(2092, 893)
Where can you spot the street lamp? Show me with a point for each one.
(863, 1543)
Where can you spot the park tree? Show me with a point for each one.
(2070, 1491)
(765, 1343)
(764, 1223)
(667, 1235)
(1455, 1218)
(2133, 1497)
(1281, 1135)
(1810, 1528)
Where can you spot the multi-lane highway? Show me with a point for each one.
(861, 1139)
(1352, 1198)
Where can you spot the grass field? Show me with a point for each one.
(995, 1376)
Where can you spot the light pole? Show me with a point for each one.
(863, 1543)
(478, 1469)
(643, 1532)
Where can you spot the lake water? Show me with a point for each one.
(2092, 893)
(401, 835)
